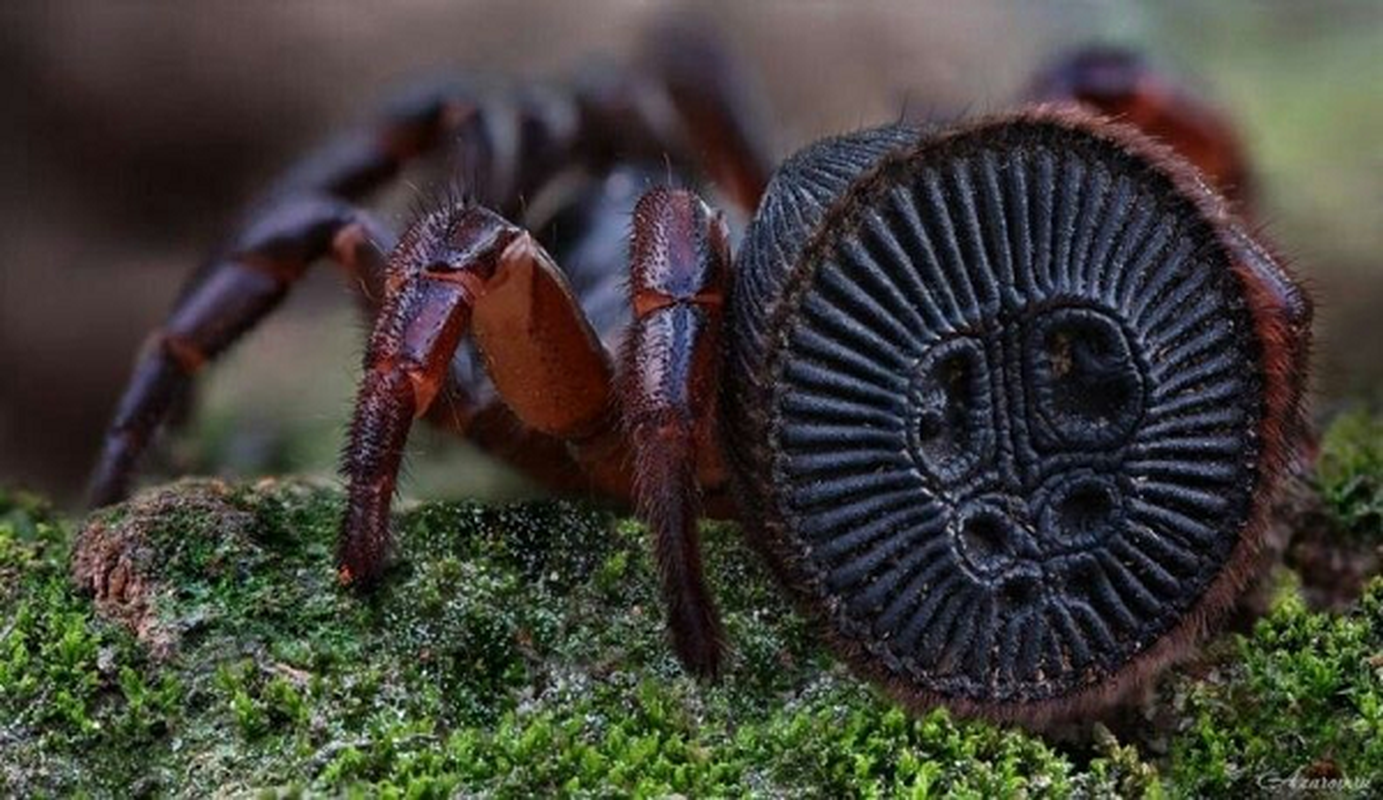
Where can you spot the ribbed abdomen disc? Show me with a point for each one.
(997, 412)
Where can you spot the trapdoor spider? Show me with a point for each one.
(1003, 403)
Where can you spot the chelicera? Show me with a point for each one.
(1003, 403)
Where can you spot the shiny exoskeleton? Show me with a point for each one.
(1003, 403)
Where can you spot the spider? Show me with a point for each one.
(1002, 402)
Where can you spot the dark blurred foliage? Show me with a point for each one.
(130, 132)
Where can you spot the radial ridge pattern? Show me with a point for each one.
(1013, 405)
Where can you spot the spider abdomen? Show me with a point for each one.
(1003, 418)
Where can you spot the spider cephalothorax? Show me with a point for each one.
(1003, 403)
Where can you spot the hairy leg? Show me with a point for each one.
(464, 269)
(305, 216)
(679, 273)
(507, 146)
(234, 294)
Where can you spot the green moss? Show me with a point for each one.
(1350, 472)
(79, 702)
(519, 650)
(1303, 695)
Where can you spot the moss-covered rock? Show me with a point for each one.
(512, 650)
(198, 642)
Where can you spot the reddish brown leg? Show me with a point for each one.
(465, 269)
(505, 149)
(304, 218)
(362, 159)
(1122, 85)
(233, 294)
(711, 91)
(687, 103)
(679, 272)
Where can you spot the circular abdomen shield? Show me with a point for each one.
(998, 403)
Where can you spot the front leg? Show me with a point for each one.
(308, 215)
(679, 272)
(457, 270)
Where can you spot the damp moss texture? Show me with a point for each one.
(199, 645)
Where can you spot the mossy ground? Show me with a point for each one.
(518, 650)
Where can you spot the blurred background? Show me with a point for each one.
(131, 132)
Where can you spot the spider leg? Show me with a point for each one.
(1122, 85)
(511, 144)
(465, 269)
(304, 217)
(235, 293)
(679, 273)
(711, 91)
